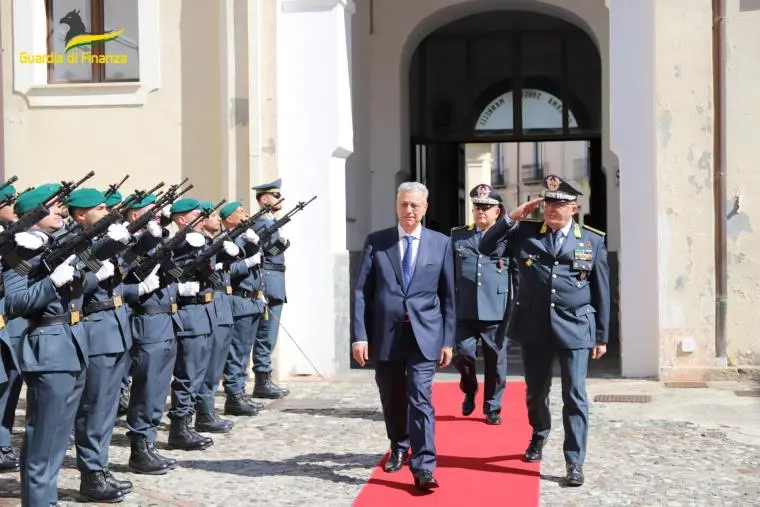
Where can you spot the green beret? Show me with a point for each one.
(29, 200)
(184, 205)
(229, 208)
(147, 201)
(8, 191)
(85, 198)
(206, 206)
(113, 199)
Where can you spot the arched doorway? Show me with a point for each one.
(506, 97)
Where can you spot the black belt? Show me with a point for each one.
(246, 293)
(102, 306)
(200, 299)
(155, 309)
(273, 267)
(51, 320)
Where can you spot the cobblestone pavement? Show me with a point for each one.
(688, 447)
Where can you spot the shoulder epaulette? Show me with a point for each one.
(532, 220)
(462, 228)
(596, 231)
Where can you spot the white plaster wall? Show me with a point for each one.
(743, 160)
(684, 128)
(398, 27)
(175, 134)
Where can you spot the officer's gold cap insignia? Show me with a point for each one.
(529, 262)
(552, 183)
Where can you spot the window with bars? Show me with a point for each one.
(94, 41)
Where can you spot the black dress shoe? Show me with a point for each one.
(574, 475)
(8, 459)
(424, 481)
(468, 405)
(493, 418)
(395, 460)
(534, 452)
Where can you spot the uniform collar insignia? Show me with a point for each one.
(544, 228)
(577, 231)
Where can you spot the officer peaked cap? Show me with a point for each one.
(559, 190)
(267, 188)
(485, 194)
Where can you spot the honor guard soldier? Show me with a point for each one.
(110, 340)
(273, 283)
(248, 306)
(53, 351)
(10, 335)
(206, 419)
(154, 349)
(194, 338)
(483, 284)
(561, 311)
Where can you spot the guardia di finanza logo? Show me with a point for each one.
(77, 37)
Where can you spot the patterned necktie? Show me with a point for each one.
(406, 262)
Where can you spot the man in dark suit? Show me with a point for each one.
(562, 310)
(483, 284)
(404, 309)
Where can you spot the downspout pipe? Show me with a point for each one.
(719, 179)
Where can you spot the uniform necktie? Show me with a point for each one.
(406, 263)
(556, 236)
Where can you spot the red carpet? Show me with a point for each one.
(476, 462)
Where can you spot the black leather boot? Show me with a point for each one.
(8, 459)
(142, 460)
(125, 486)
(210, 422)
(182, 437)
(171, 462)
(94, 486)
(239, 404)
(265, 388)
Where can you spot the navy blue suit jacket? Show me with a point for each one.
(381, 302)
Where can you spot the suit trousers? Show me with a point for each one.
(494, 358)
(189, 373)
(152, 366)
(266, 338)
(537, 362)
(51, 406)
(236, 367)
(96, 415)
(221, 338)
(406, 389)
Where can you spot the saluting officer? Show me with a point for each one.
(247, 309)
(273, 283)
(53, 351)
(206, 419)
(154, 348)
(562, 310)
(10, 335)
(194, 338)
(110, 340)
(482, 298)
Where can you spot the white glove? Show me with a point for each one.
(105, 271)
(230, 248)
(251, 236)
(31, 240)
(2, 228)
(195, 239)
(63, 273)
(167, 211)
(118, 232)
(154, 229)
(253, 260)
(188, 288)
(150, 284)
(218, 266)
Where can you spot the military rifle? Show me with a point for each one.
(276, 247)
(113, 188)
(9, 200)
(142, 267)
(28, 219)
(213, 249)
(11, 181)
(80, 243)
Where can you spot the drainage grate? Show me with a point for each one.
(753, 393)
(686, 385)
(622, 398)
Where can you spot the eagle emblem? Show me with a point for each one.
(552, 183)
(484, 191)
